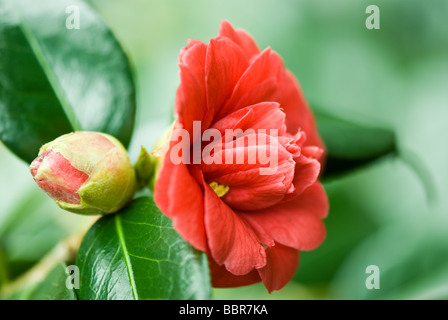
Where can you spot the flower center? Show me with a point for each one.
(220, 189)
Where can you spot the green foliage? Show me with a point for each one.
(57, 80)
(136, 254)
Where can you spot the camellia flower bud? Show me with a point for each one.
(85, 172)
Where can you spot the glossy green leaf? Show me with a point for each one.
(348, 140)
(136, 254)
(56, 79)
(352, 145)
(52, 287)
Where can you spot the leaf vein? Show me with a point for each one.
(126, 256)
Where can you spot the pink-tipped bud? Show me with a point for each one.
(85, 172)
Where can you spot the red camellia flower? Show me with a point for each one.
(251, 225)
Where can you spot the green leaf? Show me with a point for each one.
(52, 287)
(55, 80)
(136, 254)
(352, 145)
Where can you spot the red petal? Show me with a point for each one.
(282, 263)
(264, 115)
(250, 191)
(63, 181)
(246, 152)
(179, 196)
(314, 199)
(191, 102)
(231, 240)
(250, 188)
(306, 173)
(297, 223)
(240, 37)
(259, 83)
(313, 152)
(221, 278)
(225, 63)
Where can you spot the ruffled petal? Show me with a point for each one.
(306, 173)
(264, 115)
(258, 172)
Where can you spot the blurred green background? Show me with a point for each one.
(392, 213)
